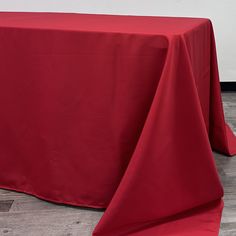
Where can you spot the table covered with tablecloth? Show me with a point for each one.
(115, 112)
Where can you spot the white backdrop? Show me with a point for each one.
(221, 12)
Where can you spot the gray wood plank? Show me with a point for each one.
(61, 222)
(5, 205)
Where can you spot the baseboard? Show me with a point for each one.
(228, 86)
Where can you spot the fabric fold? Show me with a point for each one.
(141, 197)
(221, 136)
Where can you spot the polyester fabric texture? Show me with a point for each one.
(115, 112)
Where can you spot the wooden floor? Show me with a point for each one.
(24, 215)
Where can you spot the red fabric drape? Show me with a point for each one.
(116, 112)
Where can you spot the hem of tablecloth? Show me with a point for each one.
(48, 199)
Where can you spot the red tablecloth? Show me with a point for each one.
(116, 112)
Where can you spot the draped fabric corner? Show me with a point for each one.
(115, 112)
(177, 182)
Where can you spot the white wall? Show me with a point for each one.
(221, 12)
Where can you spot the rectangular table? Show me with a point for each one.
(116, 112)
